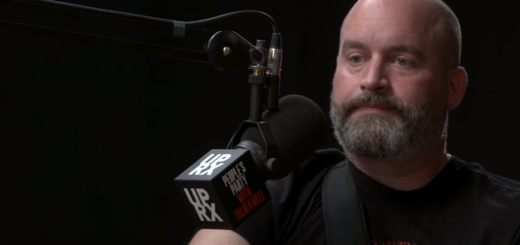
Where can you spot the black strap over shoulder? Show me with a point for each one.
(342, 209)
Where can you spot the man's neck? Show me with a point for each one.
(405, 175)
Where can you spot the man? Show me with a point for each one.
(397, 77)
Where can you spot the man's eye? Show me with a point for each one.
(356, 59)
(402, 62)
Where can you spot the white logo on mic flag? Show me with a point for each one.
(200, 196)
(212, 162)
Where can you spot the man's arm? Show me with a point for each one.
(217, 237)
(516, 239)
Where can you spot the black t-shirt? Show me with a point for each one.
(463, 205)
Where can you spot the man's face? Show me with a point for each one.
(390, 87)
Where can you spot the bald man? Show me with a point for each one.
(396, 79)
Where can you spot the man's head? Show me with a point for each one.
(397, 76)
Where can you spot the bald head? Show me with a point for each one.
(451, 26)
(397, 76)
(436, 16)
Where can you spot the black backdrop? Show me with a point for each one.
(93, 137)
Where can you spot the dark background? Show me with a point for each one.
(92, 137)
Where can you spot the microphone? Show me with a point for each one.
(274, 65)
(226, 186)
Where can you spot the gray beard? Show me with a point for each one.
(390, 137)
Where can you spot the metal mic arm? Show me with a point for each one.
(188, 24)
(226, 50)
(104, 41)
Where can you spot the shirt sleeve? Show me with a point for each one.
(263, 226)
(516, 238)
(290, 211)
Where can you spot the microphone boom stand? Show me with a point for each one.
(226, 50)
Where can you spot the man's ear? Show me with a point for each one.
(458, 82)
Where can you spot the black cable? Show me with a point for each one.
(155, 19)
(232, 14)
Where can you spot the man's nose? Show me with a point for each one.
(374, 77)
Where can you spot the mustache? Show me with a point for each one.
(373, 98)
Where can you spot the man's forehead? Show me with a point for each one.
(393, 22)
(364, 37)
(393, 15)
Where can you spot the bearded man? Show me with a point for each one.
(397, 78)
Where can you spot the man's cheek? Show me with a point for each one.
(344, 88)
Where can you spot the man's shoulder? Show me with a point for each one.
(299, 209)
(321, 160)
(490, 180)
(494, 195)
(309, 174)
(294, 213)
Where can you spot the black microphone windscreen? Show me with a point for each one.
(299, 127)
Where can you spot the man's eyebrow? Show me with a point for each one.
(401, 48)
(352, 44)
(404, 48)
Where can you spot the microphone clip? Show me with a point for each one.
(269, 165)
(265, 85)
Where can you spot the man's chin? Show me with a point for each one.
(373, 117)
(374, 140)
(374, 156)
